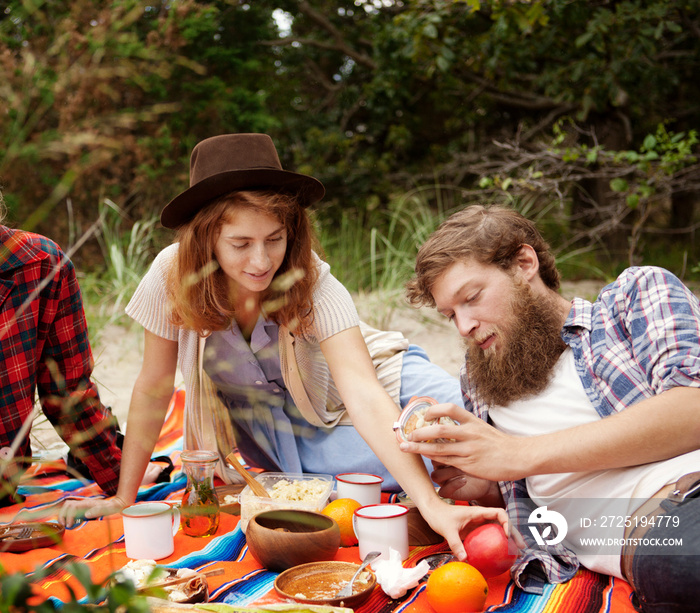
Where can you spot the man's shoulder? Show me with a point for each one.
(641, 277)
(640, 272)
(22, 248)
(643, 286)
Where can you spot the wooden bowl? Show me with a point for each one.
(419, 531)
(317, 582)
(284, 538)
(44, 534)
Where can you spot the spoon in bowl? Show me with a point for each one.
(347, 589)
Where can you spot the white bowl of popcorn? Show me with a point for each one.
(306, 492)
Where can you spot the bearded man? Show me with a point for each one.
(588, 412)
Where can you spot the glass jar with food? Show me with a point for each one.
(413, 417)
(199, 513)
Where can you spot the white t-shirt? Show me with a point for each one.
(596, 503)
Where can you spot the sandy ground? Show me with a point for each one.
(117, 349)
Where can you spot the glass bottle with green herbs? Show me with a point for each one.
(199, 513)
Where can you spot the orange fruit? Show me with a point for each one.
(342, 510)
(456, 587)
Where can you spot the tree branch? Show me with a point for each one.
(340, 43)
(513, 99)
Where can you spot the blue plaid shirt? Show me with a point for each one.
(640, 338)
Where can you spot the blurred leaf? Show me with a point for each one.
(619, 185)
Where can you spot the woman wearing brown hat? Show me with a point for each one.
(275, 359)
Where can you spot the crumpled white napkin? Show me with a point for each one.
(396, 580)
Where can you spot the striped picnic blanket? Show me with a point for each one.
(99, 544)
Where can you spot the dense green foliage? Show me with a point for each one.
(583, 114)
(113, 595)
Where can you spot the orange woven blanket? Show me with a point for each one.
(100, 545)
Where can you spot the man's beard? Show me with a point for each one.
(529, 345)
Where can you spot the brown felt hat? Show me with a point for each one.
(231, 162)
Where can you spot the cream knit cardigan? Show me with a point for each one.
(206, 421)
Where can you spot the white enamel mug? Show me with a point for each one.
(149, 528)
(381, 527)
(363, 487)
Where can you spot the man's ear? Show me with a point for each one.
(527, 262)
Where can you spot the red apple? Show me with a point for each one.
(488, 550)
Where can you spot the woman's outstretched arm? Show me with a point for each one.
(150, 399)
(373, 414)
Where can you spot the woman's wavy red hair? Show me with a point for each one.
(200, 291)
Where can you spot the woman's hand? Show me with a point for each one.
(89, 508)
(454, 522)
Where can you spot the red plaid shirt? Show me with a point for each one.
(44, 349)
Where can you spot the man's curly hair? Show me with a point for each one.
(488, 235)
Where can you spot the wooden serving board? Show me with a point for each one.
(229, 490)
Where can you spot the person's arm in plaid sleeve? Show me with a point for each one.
(69, 398)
